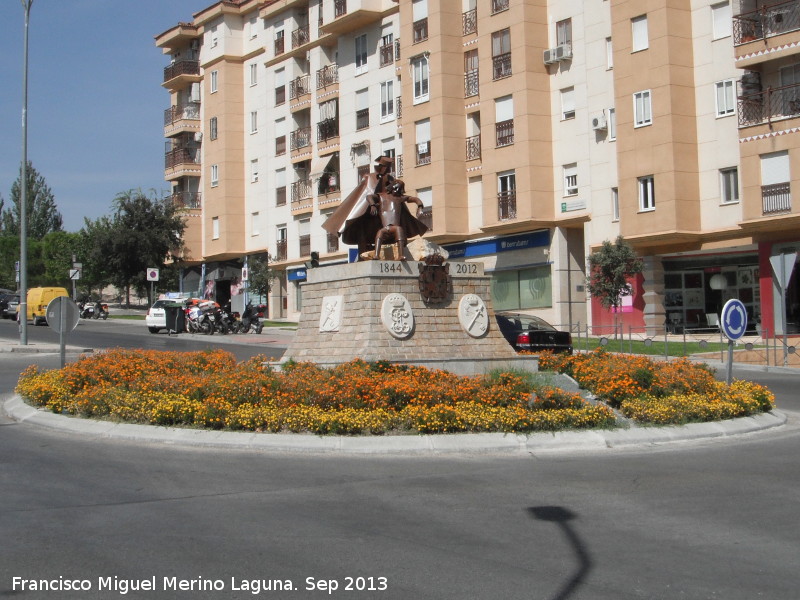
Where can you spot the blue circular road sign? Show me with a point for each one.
(734, 319)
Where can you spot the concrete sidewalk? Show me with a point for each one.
(466, 443)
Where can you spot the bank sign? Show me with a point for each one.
(537, 239)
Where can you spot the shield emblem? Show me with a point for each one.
(435, 284)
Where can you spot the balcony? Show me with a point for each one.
(187, 112)
(352, 15)
(299, 86)
(474, 147)
(327, 76)
(280, 45)
(469, 22)
(769, 105)
(387, 54)
(362, 119)
(471, 86)
(186, 200)
(280, 250)
(327, 129)
(301, 192)
(501, 66)
(504, 131)
(499, 6)
(765, 22)
(300, 36)
(398, 165)
(507, 205)
(180, 68)
(398, 110)
(776, 198)
(339, 8)
(301, 138)
(181, 156)
(420, 29)
(328, 183)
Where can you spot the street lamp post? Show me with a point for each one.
(23, 202)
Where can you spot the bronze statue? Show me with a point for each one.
(397, 222)
(358, 221)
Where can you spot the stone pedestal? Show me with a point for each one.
(374, 310)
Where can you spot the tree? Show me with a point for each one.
(610, 270)
(41, 214)
(261, 276)
(142, 233)
(58, 248)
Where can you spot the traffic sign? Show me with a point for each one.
(152, 274)
(74, 273)
(62, 314)
(782, 266)
(734, 319)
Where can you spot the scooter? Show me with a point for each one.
(251, 319)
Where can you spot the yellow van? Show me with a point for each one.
(38, 299)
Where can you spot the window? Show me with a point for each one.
(419, 66)
(387, 100)
(280, 137)
(214, 175)
(647, 193)
(254, 121)
(504, 120)
(252, 25)
(423, 140)
(522, 288)
(214, 81)
(609, 54)
(419, 17)
(280, 86)
(361, 54)
(253, 74)
(726, 104)
(721, 20)
(254, 170)
(471, 86)
(280, 40)
(571, 180)
(213, 37)
(212, 128)
(280, 187)
(501, 54)
(612, 124)
(775, 168)
(564, 33)
(729, 185)
(362, 109)
(642, 110)
(567, 103)
(614, 204)
(214, 228)
(506, 195)
(254, 224)
(639, 33)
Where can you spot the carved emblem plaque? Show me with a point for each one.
(435, 284)
(330, 316)
(473, 315)
(397, 316)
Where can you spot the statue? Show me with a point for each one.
(355, 221)
(397, 222)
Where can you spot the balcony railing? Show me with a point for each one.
(187, 199)
(362, 119)
(339, 8)
(301, 138)
(768, 105)
(180, 156)
(301, 190)
(501, 66)
(299, 86)
(474, 147)
(327, 129)
(420, 30)
(398, 165)
(507, 205)
(190, 111)
(300, 36)
(766, 21)
(398, 107)
(387, 54)
(776, 198)
(397, 49)
(181, 67)
(499, 6)
(505, 132)
(471, 86)
(469, 21)
(280, 250)
(327, 75)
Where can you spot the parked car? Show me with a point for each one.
(532, 334)
(8, 305)
(38, 299)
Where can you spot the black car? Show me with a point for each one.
(532, 334)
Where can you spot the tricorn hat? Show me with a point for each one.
(385, 160)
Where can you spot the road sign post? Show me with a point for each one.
(62, 314)
(782, 267)
(733, 323)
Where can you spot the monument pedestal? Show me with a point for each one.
(374, 310)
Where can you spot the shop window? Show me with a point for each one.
(522, 289)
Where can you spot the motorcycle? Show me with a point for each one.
(200, 318)
(93, 310)
(251, 319)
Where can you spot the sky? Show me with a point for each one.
(95, 100)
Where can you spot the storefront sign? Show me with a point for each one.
(296, 275)
(536, 239)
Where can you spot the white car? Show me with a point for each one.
(156, 317)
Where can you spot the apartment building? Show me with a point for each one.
(532, 130)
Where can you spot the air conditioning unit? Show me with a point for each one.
(563, 52)
(550, 56)
(600, 123)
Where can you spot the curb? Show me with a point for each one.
(465, 443)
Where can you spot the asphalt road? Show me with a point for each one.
(716, 519)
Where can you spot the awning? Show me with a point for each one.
(319, 164)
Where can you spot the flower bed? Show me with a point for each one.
(209, 389)
(660, 392)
